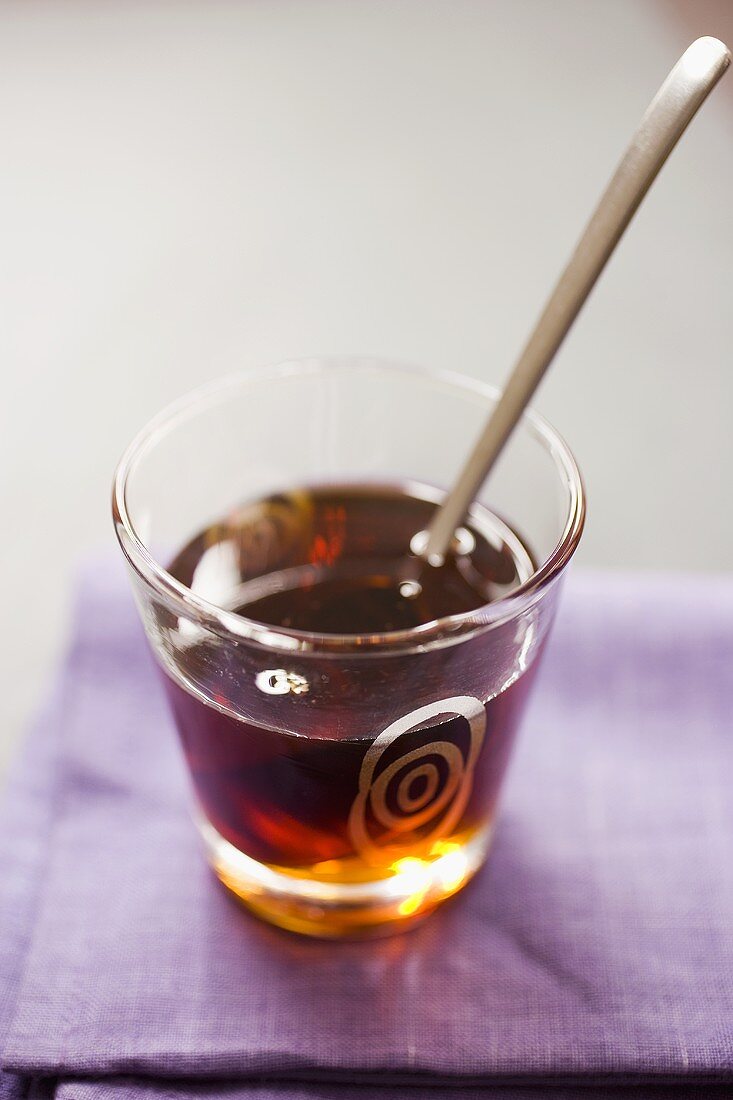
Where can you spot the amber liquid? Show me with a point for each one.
(311, 790)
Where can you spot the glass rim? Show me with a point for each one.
(237, 627)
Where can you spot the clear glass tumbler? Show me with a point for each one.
(345, 783)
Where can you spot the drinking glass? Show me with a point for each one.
(344, 784)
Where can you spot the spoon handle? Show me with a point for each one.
(673, 107)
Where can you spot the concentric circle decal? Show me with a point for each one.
(426, 786)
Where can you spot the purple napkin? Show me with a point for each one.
(26, 816)
(596, 948)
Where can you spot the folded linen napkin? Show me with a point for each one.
(595, 950)
(26, 814)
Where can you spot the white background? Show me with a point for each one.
(188, 188)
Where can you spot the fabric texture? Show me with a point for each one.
(26, 814)
(593, 954)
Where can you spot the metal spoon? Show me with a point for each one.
(675, 104)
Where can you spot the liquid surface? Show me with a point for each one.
(336, 560)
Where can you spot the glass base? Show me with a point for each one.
(316, 905)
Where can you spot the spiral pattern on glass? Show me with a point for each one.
(387, 796)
